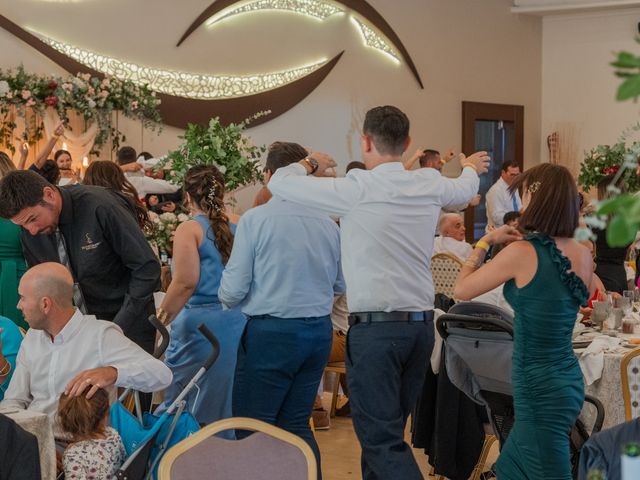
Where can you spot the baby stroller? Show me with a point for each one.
(478, 349)
(145, 436)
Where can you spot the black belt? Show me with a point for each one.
(374, 317)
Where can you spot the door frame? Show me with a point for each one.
(472, 111)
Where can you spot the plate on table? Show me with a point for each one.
(582, 343)
(627, 344)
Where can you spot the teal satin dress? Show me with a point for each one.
(12, 267)
(548, 390)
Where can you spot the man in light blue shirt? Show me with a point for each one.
(284, 271)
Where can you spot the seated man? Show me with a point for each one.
(64, 350)
(451, 239)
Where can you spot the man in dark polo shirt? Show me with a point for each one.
(93, 231)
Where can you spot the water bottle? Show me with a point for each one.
(630, 462)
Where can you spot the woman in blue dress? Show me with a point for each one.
(201, 248)
(545, 280)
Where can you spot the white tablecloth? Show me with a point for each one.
(39, 425)
(608, 389)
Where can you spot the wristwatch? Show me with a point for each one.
(313, 163)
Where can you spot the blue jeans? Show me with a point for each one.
(386, 367)
(280, 363)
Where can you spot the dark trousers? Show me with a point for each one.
(280, 363)
(386, 366)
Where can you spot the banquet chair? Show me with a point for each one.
(339, 368)
(270, 453)
(630, 373)
(445, 269)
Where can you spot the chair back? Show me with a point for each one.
(630, 372)
(270, 453)
(445, 269)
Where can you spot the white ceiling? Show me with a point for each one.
(551, 7)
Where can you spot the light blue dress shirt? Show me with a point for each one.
(285, 262)
(11, 340)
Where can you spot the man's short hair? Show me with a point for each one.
(444, 218)
(507, 165)
(510, 217)
(126, 155)
(388, 128)
(19, 190)
(427, 156)
(281, 154)
(355, 165)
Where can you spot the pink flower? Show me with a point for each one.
(31, 102)
(26, 94)
(67, 87)
(105, 83)
(52, 85)
(91, 91)
(86, 77)
(134, 105)
(103, 94)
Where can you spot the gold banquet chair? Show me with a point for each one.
(630, 373)
(269, 454)
(445, 269)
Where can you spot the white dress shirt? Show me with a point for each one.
(148, 185)
(45, 367)
(499, 201)
(454, 247)
(388, 223)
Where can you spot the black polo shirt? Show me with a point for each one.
(111, 259)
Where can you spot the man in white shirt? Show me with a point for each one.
(499, 199)
(451, 239)
(135, 173)
(388, 222)
(66, 351)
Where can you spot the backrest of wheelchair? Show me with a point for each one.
(478, 348)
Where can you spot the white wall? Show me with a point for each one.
(578, 84)
(463, 49)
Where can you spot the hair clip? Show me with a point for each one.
(533, 188)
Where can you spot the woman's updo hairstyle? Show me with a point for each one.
(205, 186)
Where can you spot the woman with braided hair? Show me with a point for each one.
(201, 249)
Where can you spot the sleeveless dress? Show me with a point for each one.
(188, 349)
(12, 267)
(548, 390)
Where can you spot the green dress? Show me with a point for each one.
(548, 390)
(12, 267)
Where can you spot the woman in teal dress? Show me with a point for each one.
(546, 278)
(12, 264)
(201, 249)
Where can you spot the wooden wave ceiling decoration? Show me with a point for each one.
(359, 6)
(179, 110)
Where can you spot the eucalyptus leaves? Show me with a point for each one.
(226, 147)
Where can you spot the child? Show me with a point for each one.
(95, 450)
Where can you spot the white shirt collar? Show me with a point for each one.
(389, 166)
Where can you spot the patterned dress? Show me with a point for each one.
(97, 459)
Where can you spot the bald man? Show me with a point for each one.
(66, 351)
(451, 239)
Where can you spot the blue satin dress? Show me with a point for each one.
(548, 389)
(188, 349)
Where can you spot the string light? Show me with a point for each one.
(374, 40)
(319, 10)
(182, 84)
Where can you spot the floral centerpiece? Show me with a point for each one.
(93, 98)
(605, 161)
(226, 147)
(164, 229)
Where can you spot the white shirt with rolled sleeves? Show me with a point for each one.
(45, 367)
(499, 202)
(388, 223)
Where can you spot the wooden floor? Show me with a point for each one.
(340, 450)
